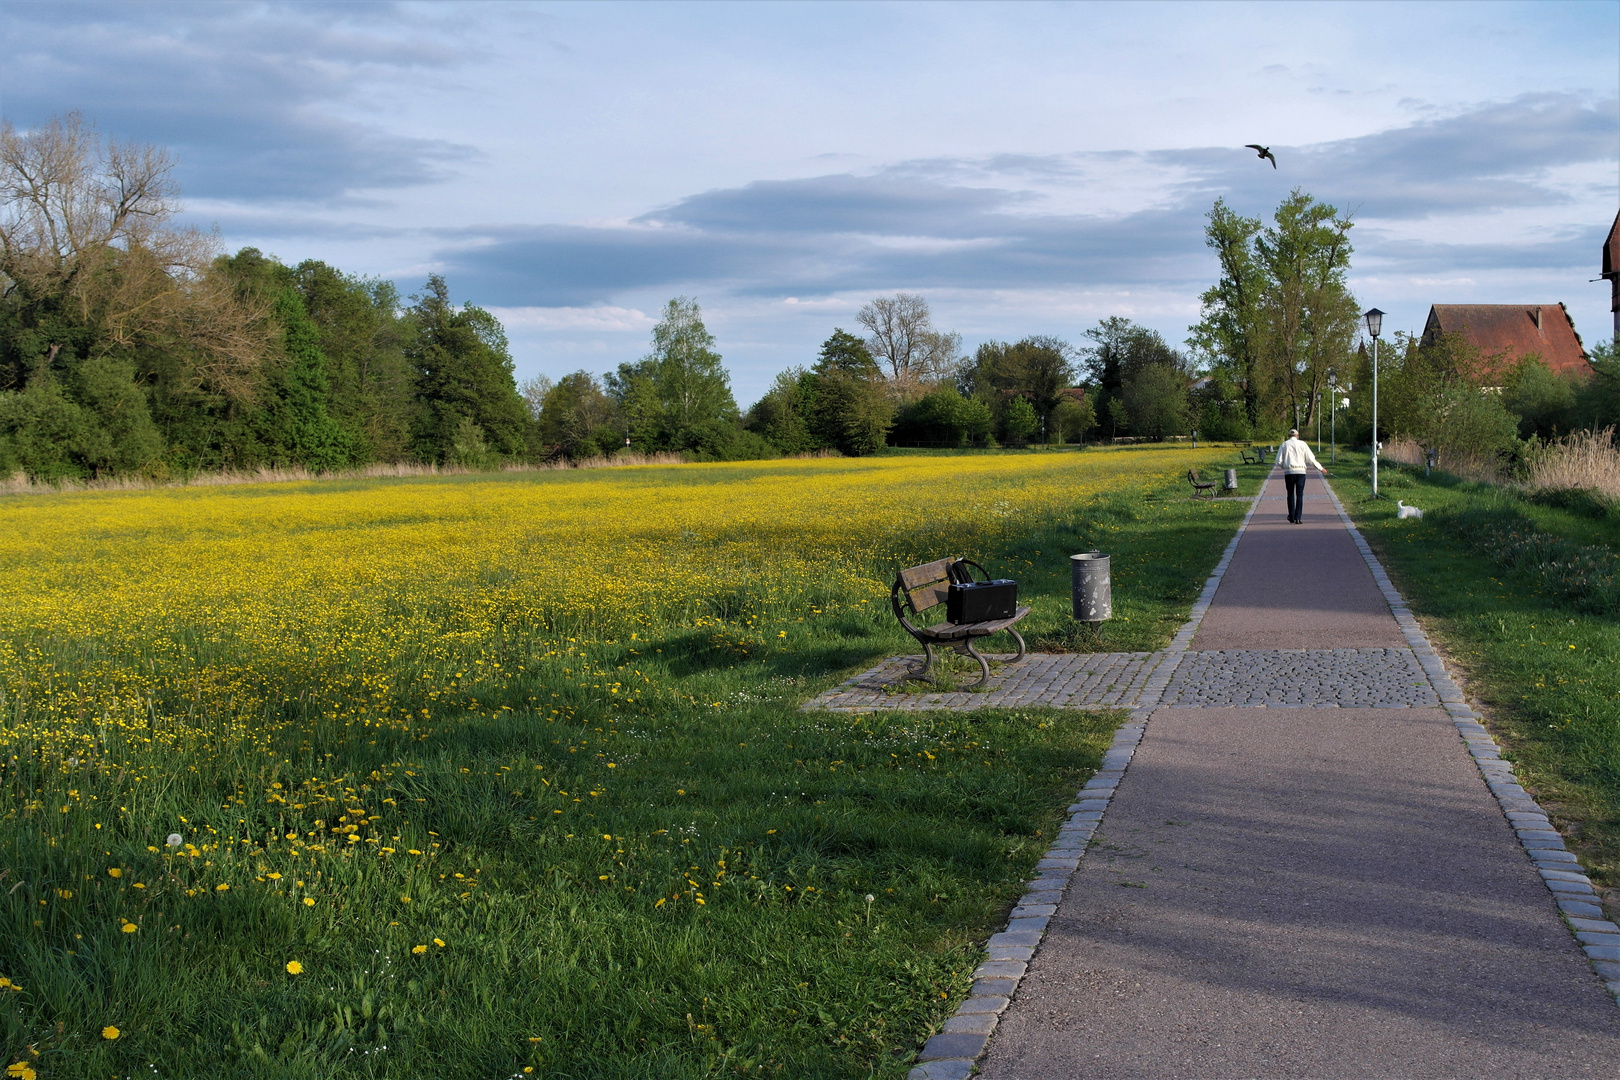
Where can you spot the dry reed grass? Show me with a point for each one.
(1581, 460)
(20, 484)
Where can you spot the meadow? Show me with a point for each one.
(505, 775)
(1522, 590)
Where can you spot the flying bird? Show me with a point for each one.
(1264, 153)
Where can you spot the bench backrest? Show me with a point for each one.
(926, 586)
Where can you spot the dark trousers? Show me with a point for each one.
(1295, 483)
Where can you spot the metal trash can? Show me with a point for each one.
(1093, 592)
(1231, 480)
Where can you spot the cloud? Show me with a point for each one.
(605, 318)
(1019, 221)
(259, 101)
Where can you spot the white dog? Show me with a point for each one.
(1404, 511)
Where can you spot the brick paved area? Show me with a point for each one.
(1059, 680)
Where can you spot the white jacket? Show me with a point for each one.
(1295, 456)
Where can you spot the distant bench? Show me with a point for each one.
(923, 588)
(1200, 487)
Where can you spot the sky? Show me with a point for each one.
(1028, 168)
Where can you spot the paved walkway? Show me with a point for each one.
(1276, 874)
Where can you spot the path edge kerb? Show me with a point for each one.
(952, 1054)
(1560, 871)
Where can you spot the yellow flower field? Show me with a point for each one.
(482, 775)
(201, 613)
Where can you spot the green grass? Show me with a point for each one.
(1537, 646)
(564, 848)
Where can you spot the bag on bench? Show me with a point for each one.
(981, 601)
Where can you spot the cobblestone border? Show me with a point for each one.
(1559, 869)
(951, 1054)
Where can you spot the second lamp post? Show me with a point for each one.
(1375, 326)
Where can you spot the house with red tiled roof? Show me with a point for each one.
(1611, 270)
(1504, 334)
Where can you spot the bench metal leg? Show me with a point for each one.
(1021, 647)
(924, 673)
(967, 649)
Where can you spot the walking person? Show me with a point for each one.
(1295, 457)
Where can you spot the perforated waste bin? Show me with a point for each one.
(1093, 592)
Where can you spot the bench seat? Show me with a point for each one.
(948, 631)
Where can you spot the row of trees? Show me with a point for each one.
(129, 344)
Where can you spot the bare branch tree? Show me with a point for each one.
(85, 228)
(901, 335)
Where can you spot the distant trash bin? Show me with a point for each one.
(1093, 593)
(1231, 480)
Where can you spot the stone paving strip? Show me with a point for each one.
(952, 1054)
(1340, 678)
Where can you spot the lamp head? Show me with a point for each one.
(1333, 378)
(1375, 321)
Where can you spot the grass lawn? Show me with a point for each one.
(506, 776)
(1538, 648)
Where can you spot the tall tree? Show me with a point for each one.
(1307, 312)
(901, 334)
(464, 381)
(853, 407)
(1122, 356)
(1281, 315)
(692, 382)
(1229, 329)
(371, 385)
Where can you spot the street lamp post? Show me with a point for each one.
(1375, 325)
(1333, 417)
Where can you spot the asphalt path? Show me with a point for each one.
(1304, 892)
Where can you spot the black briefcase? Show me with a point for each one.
(981, 601)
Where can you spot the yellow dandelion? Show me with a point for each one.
(222, 887)
(294, 968)
(273, 876)
(418, 949)
(113, 871)
(412, 851)
(129, 928)
(309, 901)
(110, 1032)
(439, 943)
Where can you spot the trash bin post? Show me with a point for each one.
(1092, 590)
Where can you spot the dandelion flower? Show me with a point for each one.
(174, 840)
(418, 949)
(413, 851)
(222, 887)
(110, 1032)
(21, 1069)
(113, 871)
(273, 876)
(129, 928)
(294, 968)
(439, 943)
(309, 901)
(870, 898)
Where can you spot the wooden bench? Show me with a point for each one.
(923, 588)
(1200, 486)
(1247, 460)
